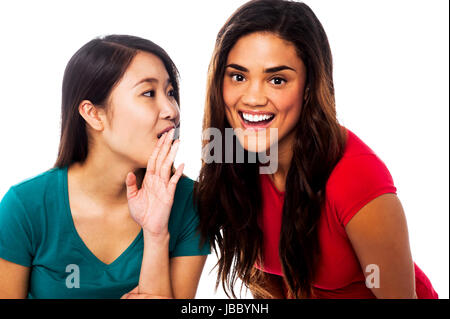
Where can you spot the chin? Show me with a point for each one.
(256, 142)
(255, 146)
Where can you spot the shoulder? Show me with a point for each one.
(22, 213)
(27, 199)
(185, 184)
(184, 221)
(184, 190)
(183, 198)
(34, 189)
(37, 183)
(359, 164)
(358, 177)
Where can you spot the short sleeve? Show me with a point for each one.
(355, 182)
(188, 240)
(15, 231)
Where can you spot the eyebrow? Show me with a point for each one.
(150, 80)
(268, 70)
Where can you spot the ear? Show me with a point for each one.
(92, 115)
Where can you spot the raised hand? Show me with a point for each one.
(150, 205)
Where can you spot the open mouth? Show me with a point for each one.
(177, 129)
(256, 120)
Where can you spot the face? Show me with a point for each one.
(142, 106)
(263, 89)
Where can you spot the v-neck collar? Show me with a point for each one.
(272, 185)
(77, 238)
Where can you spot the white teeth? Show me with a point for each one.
(256, 118)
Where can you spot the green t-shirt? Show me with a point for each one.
(37, 231)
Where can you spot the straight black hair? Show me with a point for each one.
(91, 74)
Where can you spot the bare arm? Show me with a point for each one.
(13, 280)
(155, 273)
(185, 274)
(379, 235)
(150, 207)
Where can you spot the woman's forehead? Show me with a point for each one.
(145, 66)
(263, 49)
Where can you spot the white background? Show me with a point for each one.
(391, 79)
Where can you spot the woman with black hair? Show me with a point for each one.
(113, 216)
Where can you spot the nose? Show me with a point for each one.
(254, 95)
(169, 110)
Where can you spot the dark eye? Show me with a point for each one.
(278, 81)
(171, 93)
(149, 93)
(238, 77)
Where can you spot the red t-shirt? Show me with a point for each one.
(359, 177)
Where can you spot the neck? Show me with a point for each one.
(102, 178)
(285, 154)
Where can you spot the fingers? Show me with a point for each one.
(163, 156)
(132, 188)
(135, 290)
(151, 164)
(174, 180)
(164, 150)
(167, 164)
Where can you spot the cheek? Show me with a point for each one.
(228, 94)
(134, 117)
(133, 130)
(123, 128)
(230, 97)
(287, 100)
(289, 105)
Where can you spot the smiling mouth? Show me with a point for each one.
(256, 120)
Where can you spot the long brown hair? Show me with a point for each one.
(91, 74)
(228, 195)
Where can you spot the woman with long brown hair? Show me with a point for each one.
(327, 222)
